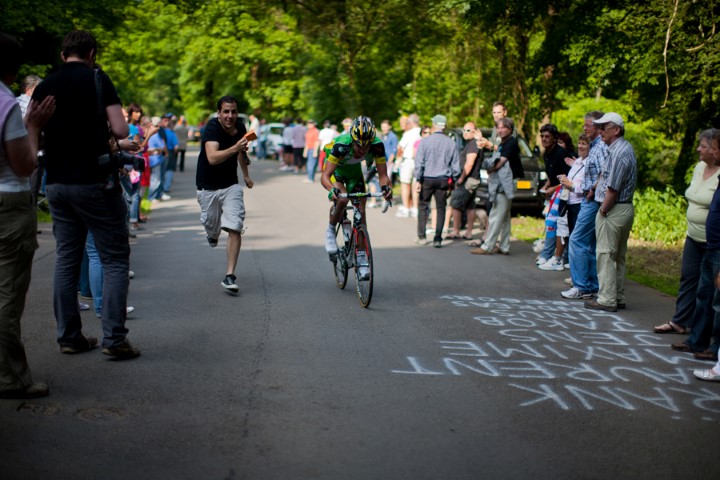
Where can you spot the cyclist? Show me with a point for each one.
(343, 172)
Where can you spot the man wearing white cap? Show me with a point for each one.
(614, 220)
(437, 168)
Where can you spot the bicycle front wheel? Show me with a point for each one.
(340, 267)
(363, 266)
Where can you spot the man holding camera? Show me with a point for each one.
(84, 193)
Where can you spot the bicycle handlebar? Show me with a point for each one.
(386, 204)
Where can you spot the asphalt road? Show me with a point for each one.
(463, 367)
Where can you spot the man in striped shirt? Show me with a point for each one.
(614, 219)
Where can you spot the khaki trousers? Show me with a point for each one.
(18, 242)
(612, 233)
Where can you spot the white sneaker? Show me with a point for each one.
(402, 212)
(568, 281)
(554, 264)
(414, 212)
(575, 294)
(330, 241)
(129, 310)
(539, 261)
(165, 197)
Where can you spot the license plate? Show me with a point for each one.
(523, 185)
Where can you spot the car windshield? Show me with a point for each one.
(276, 130)
(524, 148)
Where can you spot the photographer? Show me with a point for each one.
(84, 194)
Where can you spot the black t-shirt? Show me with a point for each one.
(224, 175)
(471, 147)
(555, 164)
(76, 135)
(511, 150)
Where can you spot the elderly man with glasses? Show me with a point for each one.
(614, 219)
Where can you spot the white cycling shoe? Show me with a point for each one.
(330, 242)
(363, 273)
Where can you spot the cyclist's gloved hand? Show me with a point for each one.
(335, 193)
(387, 192)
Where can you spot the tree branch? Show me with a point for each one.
(667, 42)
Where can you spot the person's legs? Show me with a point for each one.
(70, 235)
(693, 253)
(703, 319)
(583, 266)
(181, 159)
(96, 273)
(135, 204)
(627, 216)
(104, 214)
(424, 207)
(506, 221)
(169, 172)
(234, 242)
(440, 195)
(498, 217)
(609, 230)
(232, 220)
(84, 283)
(156, 182)
(311, 165)
(18, 229)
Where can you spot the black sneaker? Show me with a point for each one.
(229, 284)
(437, 244)
(85, 345)
(124, 351)
(212, 241)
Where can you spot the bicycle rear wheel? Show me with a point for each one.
(363, 284)
(340, 268)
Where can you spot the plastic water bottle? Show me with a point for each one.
(347, 229)
(362, 259)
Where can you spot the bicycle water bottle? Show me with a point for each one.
(362, 258)
(347, 229)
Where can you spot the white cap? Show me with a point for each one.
(610, 117)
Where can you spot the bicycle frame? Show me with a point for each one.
(355, 244)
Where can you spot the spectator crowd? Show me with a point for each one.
(588, 194)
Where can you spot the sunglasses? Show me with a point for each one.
(605, 126)
(426, 132)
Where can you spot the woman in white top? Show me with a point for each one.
(699, 195)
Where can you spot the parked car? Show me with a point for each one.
(273, 144)
(527, 189)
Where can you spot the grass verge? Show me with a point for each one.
(651, 264)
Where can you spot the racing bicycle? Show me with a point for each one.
(354, 250)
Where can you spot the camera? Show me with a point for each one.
(122, 159)
(128, 159)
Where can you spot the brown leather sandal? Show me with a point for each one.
(668, 327)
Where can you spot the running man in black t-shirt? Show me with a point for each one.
(218, 190)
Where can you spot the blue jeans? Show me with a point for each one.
(311, 165)
(169, 172)
(156, 182)
(705, 331)
(84, 283)
(693, 254)
(96, 273)
(583, 262)
(75, 209)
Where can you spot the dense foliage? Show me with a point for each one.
(657, 62)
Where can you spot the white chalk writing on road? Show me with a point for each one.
(560, 354)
